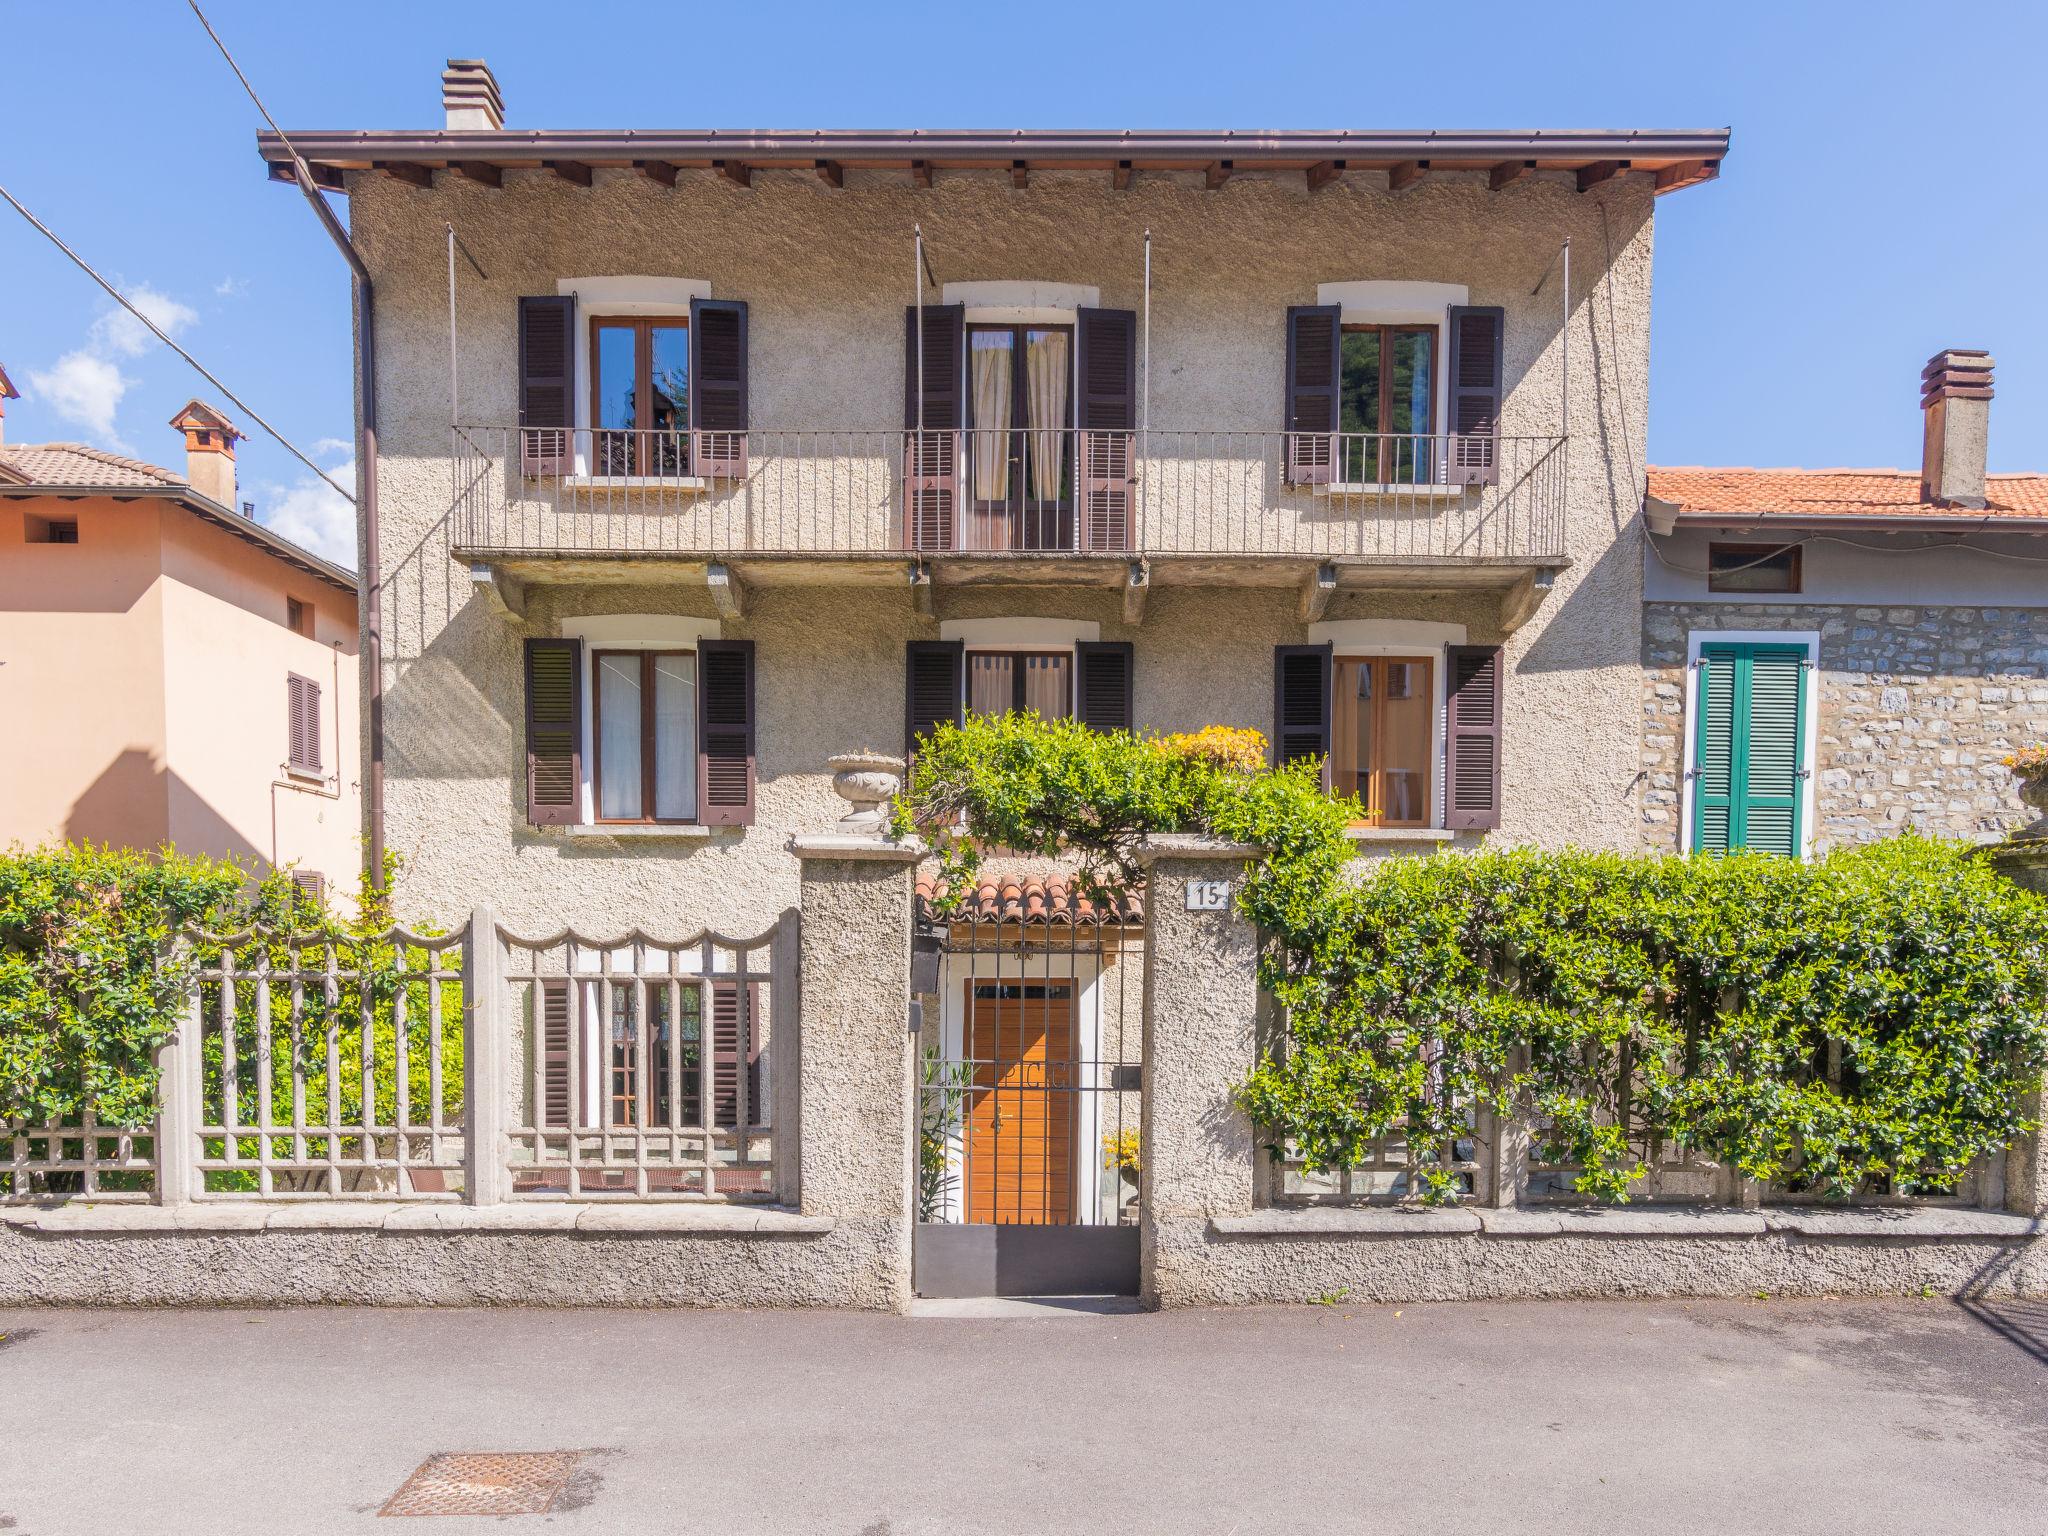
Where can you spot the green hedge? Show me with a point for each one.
(86, 991)
(1871, 1019)
(1867, 1021)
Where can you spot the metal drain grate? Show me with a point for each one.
(485, 1483)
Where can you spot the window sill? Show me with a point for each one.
(693, 484)
(306, 776)
(606, 832)
(1432, 490)
(1400, 835)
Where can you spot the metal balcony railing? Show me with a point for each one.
(549, 492)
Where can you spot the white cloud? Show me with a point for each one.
(330, 447)
(230, 287)
(84, 388)
(120, 333)
(311, 513)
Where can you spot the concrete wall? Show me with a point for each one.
(824, 273)
(1925, 570)
(145, 691)
(1916, 706)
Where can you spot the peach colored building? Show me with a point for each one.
(171, 671)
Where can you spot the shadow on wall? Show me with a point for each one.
(128, 805)
(1599, 623)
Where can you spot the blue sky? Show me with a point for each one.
(1882, 199)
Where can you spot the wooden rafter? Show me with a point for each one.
(1687, 173)
(1323, 172)
(656, 170)
(738, 172)
(1591, 176)
(921, 172)
(570, 170)
(1508, 172)
(831, 172)
(420, 176)
(1218, 172)
(1120, 178)
(480, 171)
(1405, 173)
(1020, 174)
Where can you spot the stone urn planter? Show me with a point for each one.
(2034, 794)
(867, 781)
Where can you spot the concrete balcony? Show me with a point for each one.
(1326, 512)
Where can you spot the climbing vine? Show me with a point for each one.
(1868, 1021)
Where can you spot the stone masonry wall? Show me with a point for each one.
(1917, 705)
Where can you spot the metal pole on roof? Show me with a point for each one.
(1145, 397)
(917, 297)
(1564, 331)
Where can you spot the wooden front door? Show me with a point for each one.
(1020, 1108)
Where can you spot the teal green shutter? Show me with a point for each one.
(1749, 742)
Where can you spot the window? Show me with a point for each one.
(1382, 719)
(640, 395)
(49, 530)
(1753, 568)
(298, 617)
(312, 885)
(1001, 681)
(1748, 773)
(302, 702)
(1020, 403)
(1388, 394)
(646, 735)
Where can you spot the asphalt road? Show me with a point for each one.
(1666, 1417)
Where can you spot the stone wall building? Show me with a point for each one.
(1910, 610)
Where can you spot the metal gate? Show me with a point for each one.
(1030, 1090)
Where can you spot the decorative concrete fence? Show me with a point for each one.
(483, 1117)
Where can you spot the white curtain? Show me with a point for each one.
(618, 737)
(1045, 408)
(675, 738)
(991, 438)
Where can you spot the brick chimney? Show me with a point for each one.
(210, 440)
(469, 95)
(1955, 395)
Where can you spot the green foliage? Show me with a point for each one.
(86, 993)
(940, 1112)
(1871, 1019)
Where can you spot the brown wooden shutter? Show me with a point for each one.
(1315, 366)
(1475, 373)
(1472, 735)
(931, 460)
(933, 688)
(1102, 685)
(725, 733)
(554, 731)
(730, 1027)
(718, 388)
(547, 375)
(302, 733)
(553, 1043)
(1301, 705)
(1108, 418)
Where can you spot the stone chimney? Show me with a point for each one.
(1955, 395)
(210, 440)
(469, 94)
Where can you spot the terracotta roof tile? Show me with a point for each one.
(1055, 899)
(76, 464)
(1740, 491)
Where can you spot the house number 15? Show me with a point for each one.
(1208, 895)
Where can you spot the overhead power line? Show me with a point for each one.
(158, 331)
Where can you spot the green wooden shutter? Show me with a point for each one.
(1749, 744)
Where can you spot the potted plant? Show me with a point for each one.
(2030, 766)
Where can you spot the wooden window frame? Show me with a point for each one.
(294, 764)
(1017, 657)
(298, 616)
(1375, 798)
(1796, 575)
(1382, 430)
(1019, 501)
(647, 778)
(643, 328)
